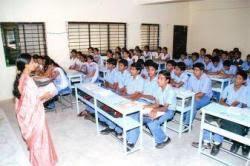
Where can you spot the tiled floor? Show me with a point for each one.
(77, 144)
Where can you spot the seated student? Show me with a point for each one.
(246, 65)
(147, 53)
(121, 77)
(202, 54)
(215, 52)
(97, 57)
(207, 62)
(165, 103)
(164, 54)
(134, 86)
(237, 61)
(128, 57)
(150, 83)
(159, 51)
(109, 78)
(139, 54)
(73, 59)
(92, 68)
(186, 60)
(233, 95)
(228, 70)
(109, 54)
(224, 56)
(216, 67)
(180, 77)
(200, 84)
(144, 71)
(170, 67)
(195, 58)
(91, 51)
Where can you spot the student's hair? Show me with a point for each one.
(199, 65)
(216, 59)
(242, 73)
(73, 51)
(91, 48)
(196, 54)
(124, 49)
(137, 66)
(227, 63)
(146, 47)
(208, 56)
(236, 49)
(148, 62)
(79, 52)
(238, 53)
(166, 74)
(112, 61)
(154, 65)
(41, 57)
(165, 48)
(35, 56)
(124, 62)
(172, 62)
(203, 49)
(47, 62)
(141, 62)
(159, 48)
(109, 51)
(90, 57)
(129, 55)
(181, 65)
(21, 61)
(96, 49)
(118, 48)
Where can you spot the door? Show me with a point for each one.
(179, 40)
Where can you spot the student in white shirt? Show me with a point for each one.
(216, 67)
(188, 62)
(180, 77)
(127, 56)
(97, 57)
(92, 70)
(207, 63)
(170, 67)
(73, 58)
(202, 54)
(147, 53)
(164, 54)
(109, 79)
(228, 70)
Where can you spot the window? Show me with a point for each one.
(103, 36)
(22, 37)
(150, 35)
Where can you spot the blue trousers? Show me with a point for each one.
(208, 136)
(197, 105)
(154, 125)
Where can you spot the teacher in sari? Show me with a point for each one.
(31, 115)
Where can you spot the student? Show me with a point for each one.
(73, 59)
(246, 65)
(165, 103)
(202, 54)
(127, 56)
(109, 54)
(147, 53)
(145, 67)
(200, 84)
(92, 68)
(134, 56)
(195, 58)
(109, 78)
(215, 52)
(207, 63)
(186, 60)
(216, 67)
(180, 77)
(234, 95)
(228, 70)
(224, 56)
(150, 84)
(91, 51)
(170, 67)
(159, 51)
(165, 55)
(122, 76)
(97, 57)
(133, 87)
(237, 61)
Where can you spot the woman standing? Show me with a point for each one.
(31, 115)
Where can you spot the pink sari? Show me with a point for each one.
(31, 118)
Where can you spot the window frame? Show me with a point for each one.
(148, 35)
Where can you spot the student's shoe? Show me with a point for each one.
(106, 131)
(130, 146)
(186, 128)
(163, 144)
(235, 147)
(245, 150)
(215, 149)
(204, 145)
(118, 135)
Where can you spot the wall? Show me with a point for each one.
(220, 23)
(56, 13)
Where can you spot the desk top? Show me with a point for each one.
(73, 73)
(234, 114)
(211, 76)
(119, 103)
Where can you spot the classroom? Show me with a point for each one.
(124, 82)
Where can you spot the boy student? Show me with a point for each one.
(109, 79)
(170, 67)
(146, 53)
(97, 57)
(234, 95)
(162, 110)
(195, 58)
(188, 62)
(180, 77)
(133, 87)
(228, 70)
(237, 61)
(202, 54)
(73, 59)
(246, 65)
(216, 67)
(207, 63)
(201, 85)
(121, 77)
